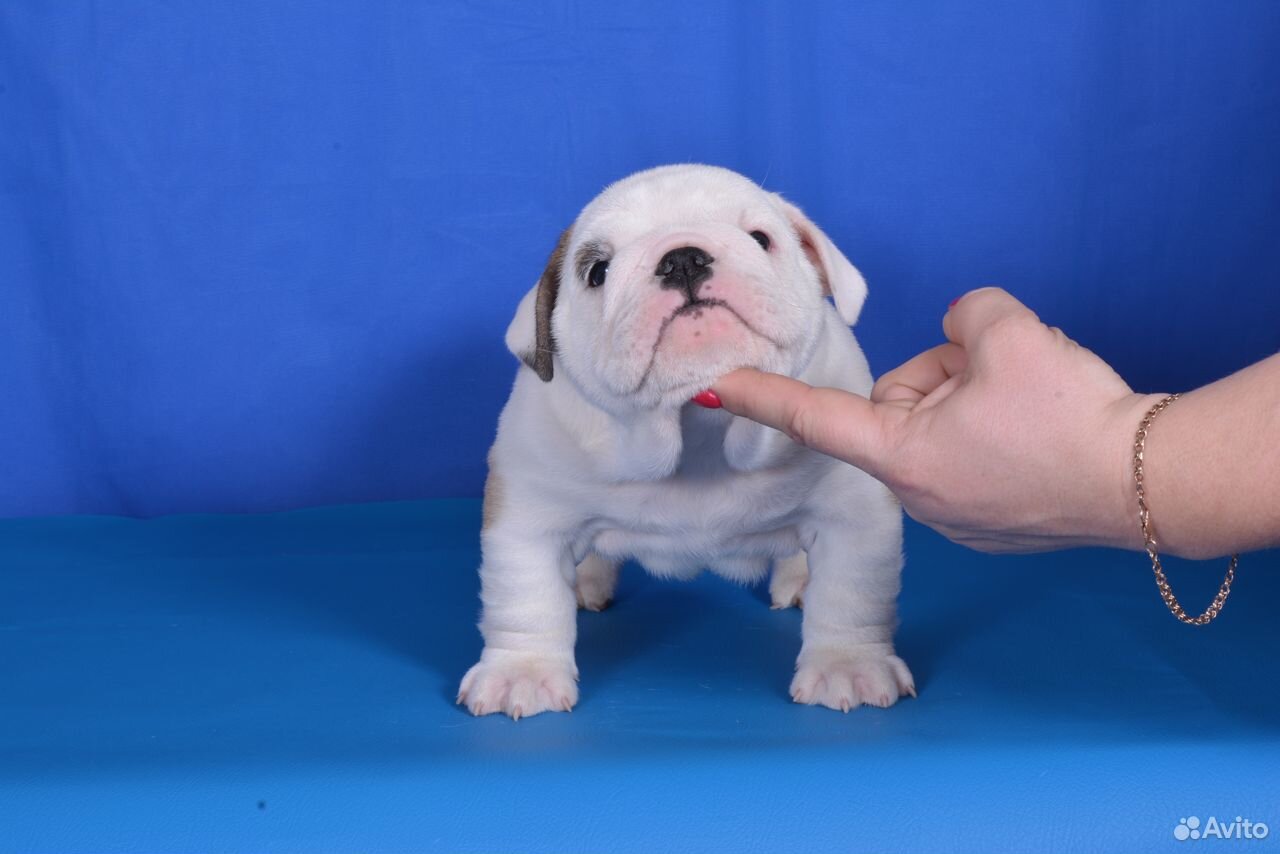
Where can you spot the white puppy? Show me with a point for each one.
(668, 280)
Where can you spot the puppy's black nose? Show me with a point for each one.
(685, 268)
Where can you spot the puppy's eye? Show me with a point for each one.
(761, 238)
(595, 277)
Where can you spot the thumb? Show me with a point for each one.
(835, 422)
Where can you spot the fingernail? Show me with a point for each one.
(952, 304)
(707, 398)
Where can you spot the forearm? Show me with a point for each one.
(1212, 466)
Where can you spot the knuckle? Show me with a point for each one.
(1062, 339)
(812, 416)
(1016, 333)
(800, 420)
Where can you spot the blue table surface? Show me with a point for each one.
(285, 682)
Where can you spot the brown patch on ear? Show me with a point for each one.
(548, 288)
(494, 492)
(815, 258)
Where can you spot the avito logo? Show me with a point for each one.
(1242, 828)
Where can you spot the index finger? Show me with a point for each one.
(829, 420)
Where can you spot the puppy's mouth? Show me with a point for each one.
(696, 307)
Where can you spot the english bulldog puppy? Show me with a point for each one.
(666, 281)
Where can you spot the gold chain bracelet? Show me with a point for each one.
(1149, 539)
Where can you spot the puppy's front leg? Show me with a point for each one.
(529, 624)
(850, 613)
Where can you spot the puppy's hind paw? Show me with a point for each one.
(845, 679)
(786, 586)
(597, 578)
(519, 688)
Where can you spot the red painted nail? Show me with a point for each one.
(952, 304)
(707, 398)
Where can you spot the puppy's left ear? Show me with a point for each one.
(529, 335)
(840, 279)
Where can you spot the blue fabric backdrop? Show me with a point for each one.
(257, 255)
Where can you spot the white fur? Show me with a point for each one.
(609, 460)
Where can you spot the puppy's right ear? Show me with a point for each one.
(529, 335)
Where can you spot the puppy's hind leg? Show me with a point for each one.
(786, 586)
(596, 581)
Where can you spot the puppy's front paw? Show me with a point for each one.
(844, 679)
(519, 687)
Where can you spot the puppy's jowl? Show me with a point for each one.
(665, 282)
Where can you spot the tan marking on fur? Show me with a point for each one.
(494, 492)
(548, 288)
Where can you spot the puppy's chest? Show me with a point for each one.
(734, 525)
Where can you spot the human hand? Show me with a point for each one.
(1010, 437)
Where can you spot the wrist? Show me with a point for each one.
(1116, 522)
